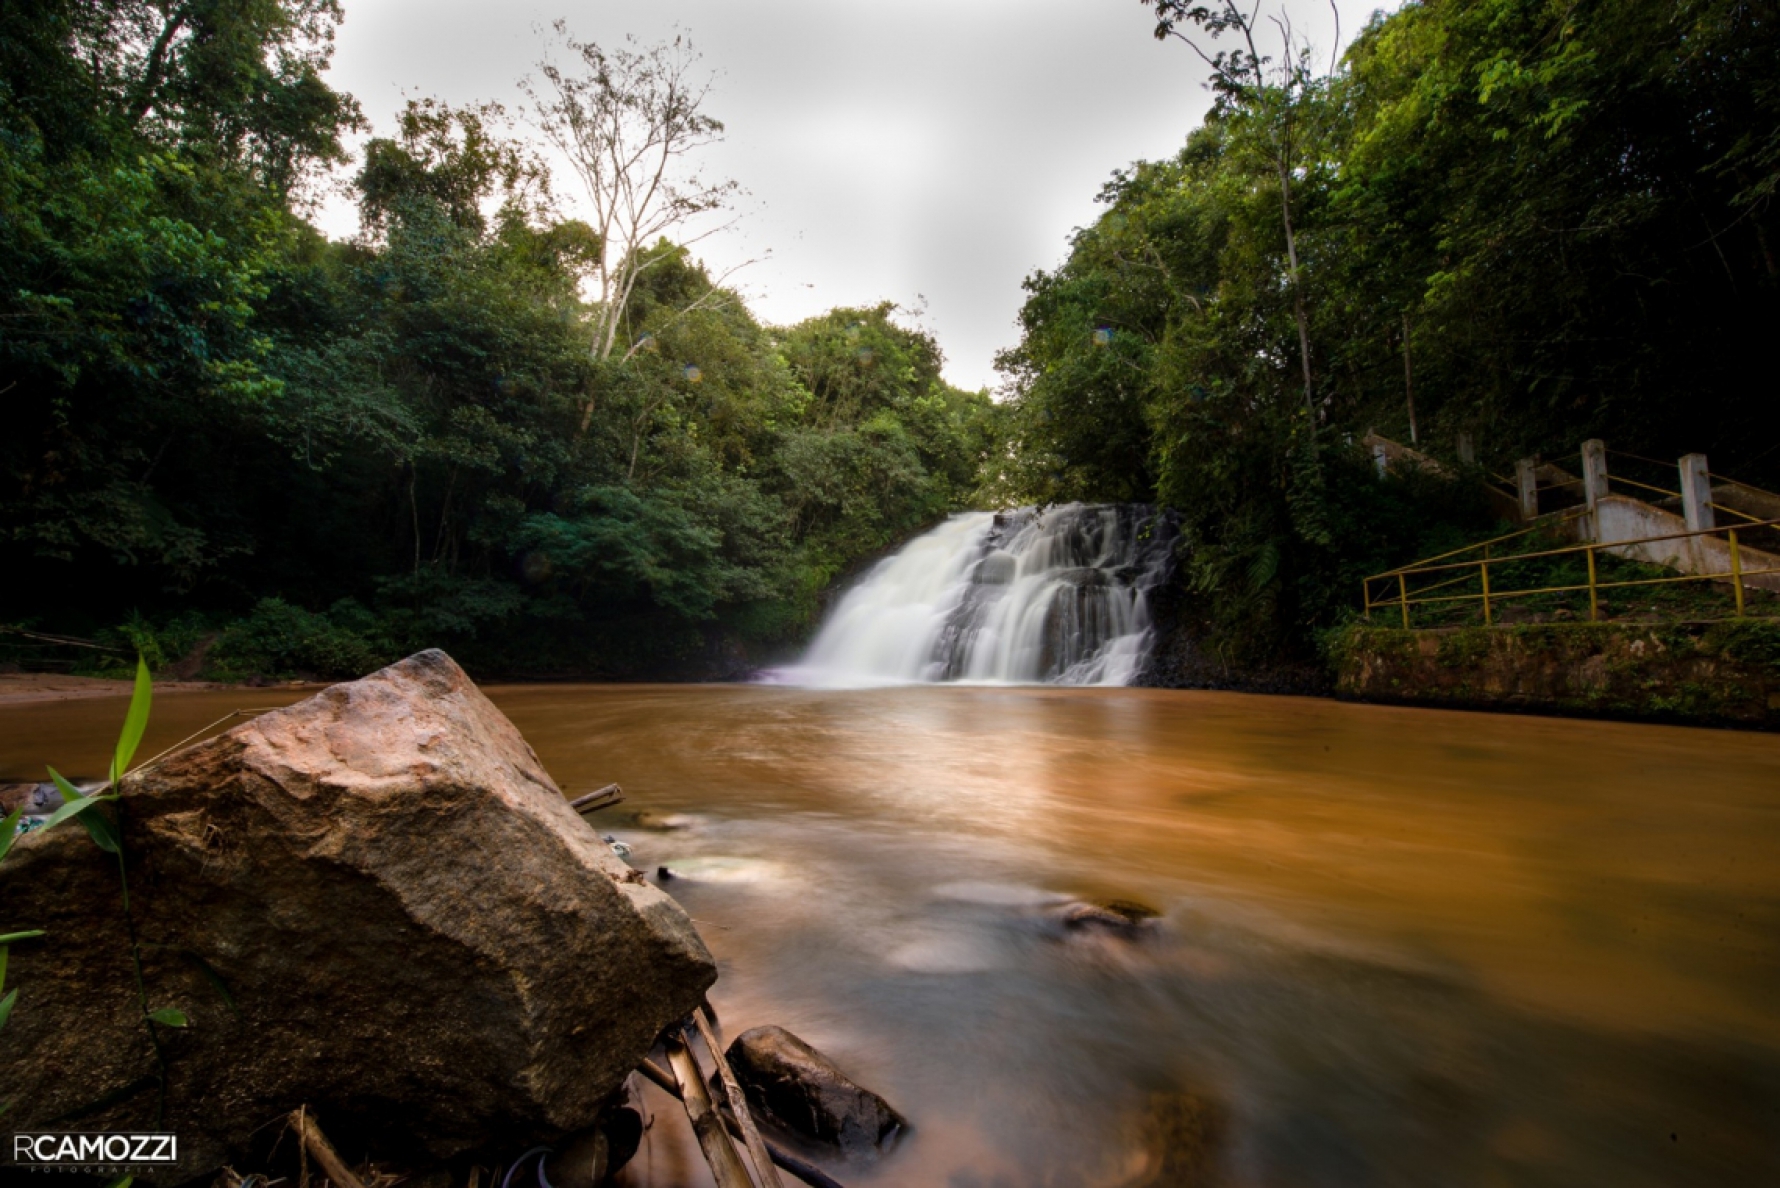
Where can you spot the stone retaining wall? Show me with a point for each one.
(1701, 673)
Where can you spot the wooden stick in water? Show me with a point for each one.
(598, 799)
(809, 1173)
(738, 1103)
(707, 1124)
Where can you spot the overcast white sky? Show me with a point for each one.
(920, 151)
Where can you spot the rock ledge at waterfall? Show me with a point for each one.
(424, 944)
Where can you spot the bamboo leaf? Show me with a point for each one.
(135, 721)
(6, 1006)
(103, 832)
(9, 829)
(169, 1017)
(69, 792)
(99, 826)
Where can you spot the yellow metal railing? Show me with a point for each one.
(1403, 596)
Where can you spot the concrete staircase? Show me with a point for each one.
(1587, 509)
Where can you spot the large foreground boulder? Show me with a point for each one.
(423, 943)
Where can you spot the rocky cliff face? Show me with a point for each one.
(422, 942)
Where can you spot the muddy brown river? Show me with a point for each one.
(1395, 946)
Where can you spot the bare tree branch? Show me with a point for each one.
(626, 119)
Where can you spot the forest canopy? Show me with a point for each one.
(562, 445)
(216, 417)
(1540, 221)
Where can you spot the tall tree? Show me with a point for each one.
(1274, 94)
(628, 121)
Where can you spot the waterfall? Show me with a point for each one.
(1055, 596)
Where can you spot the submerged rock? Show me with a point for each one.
(1116, 917)
(795, 1088)
(723, 870)
(650, 819)
(423, 943)
(1180, 1140)
(588, 1158)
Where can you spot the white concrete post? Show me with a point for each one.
(1594, 480)
(1696, 494)
(1379, 459)
(1527, 476)
(1467, 450)
(1594, 470)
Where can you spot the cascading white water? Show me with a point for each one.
(1057, 596)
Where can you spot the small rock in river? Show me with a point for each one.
(1116, 917)
(37, 800)
(1180, 1137)
(650, 819)
(723, 870)
(795, 1088)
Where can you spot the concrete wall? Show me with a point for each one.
(1620, 517)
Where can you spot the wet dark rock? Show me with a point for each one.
(996, 569)
(589, 1158)
(423, 943)
(36, 800)
(1116, 917)
(1083, 576)
(794, 1088)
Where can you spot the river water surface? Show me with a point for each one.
(1395, 946)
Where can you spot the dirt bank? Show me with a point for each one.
(20, 687)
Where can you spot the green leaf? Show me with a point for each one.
(6, 1007)
(9, 829)
(3, 952)
(122, 1182)
(103, 831)
(169, 1017)
(11, 937)
(69, 792)
(135, 721)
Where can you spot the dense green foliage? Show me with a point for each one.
(225, 434)
(215, 420)
(1567, 209)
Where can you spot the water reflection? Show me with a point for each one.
(1397, 947)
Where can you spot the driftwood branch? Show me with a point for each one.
(809, 1173)
(316, 1143)
(763, 1164)
(707, 1124)
(64, 640)
(598, 799)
